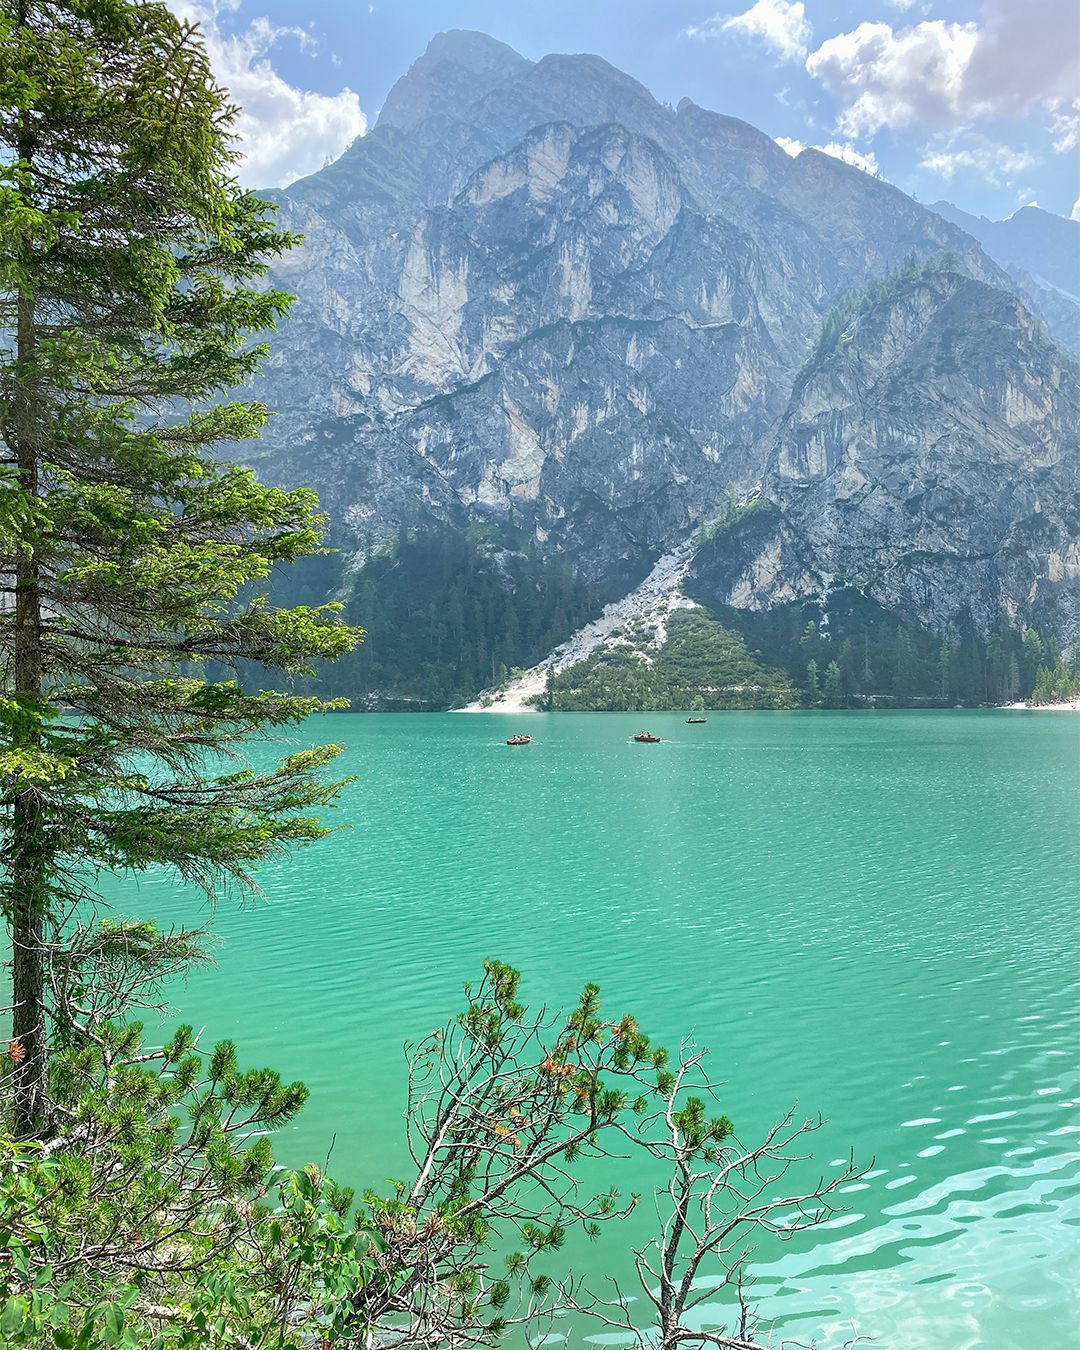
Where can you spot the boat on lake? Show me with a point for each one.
(519, 739)
(695, 721)
(645, 738)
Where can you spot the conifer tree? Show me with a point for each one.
(831, 687)
(130, 266)
(813, 687)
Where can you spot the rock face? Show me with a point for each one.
(1041, 253)
(534, 295)
(929, 456)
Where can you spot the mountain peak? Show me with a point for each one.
(1044, 245)
(469, 47)
(457, 67)
(720, 129)
(590, 78)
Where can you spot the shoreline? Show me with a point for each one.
(514, 707)
(1068, 705)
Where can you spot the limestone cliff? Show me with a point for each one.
(929, 457)
(536, 298)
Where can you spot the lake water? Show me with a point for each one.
(873, 915)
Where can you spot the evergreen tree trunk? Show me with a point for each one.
(27, 852)
(28, 938)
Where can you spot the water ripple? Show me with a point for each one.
(871, 914)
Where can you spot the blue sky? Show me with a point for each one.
(973, 101)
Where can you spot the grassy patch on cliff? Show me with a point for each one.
(838, 326)
(701, 665)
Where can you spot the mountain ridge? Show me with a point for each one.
(1041, 254)
(589, 328)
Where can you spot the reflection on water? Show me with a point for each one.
(870, 914)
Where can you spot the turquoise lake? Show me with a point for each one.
(873, 915)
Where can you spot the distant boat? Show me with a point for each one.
(519, 740)
(695, 721)
(646, 738)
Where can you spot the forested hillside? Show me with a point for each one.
(700, 665)
(847, 652)
(446, 614)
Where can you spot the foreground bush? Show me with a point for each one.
(155, 1217)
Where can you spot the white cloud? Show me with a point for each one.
(866, 161)
(935, 71)
(1065, 125)
(780, 24)
(995, 164)
(1075, 213)
(284, 131)
(889, 78)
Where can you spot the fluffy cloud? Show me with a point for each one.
(995, 164)
(867, 162)
(780, 24)
(889, 78)
(284, 131)
(1065, 125)
(935, 71)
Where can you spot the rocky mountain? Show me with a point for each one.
(928, 455)
(545, 314)
(1046, 246)
(1041, 253)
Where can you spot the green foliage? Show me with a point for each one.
(156, 1218)
(130, 281)
(700, 665)
(698, 1131)
(838, 326)
(850, 653)
(447, 615)
(1057, 678)
(504, 1103)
